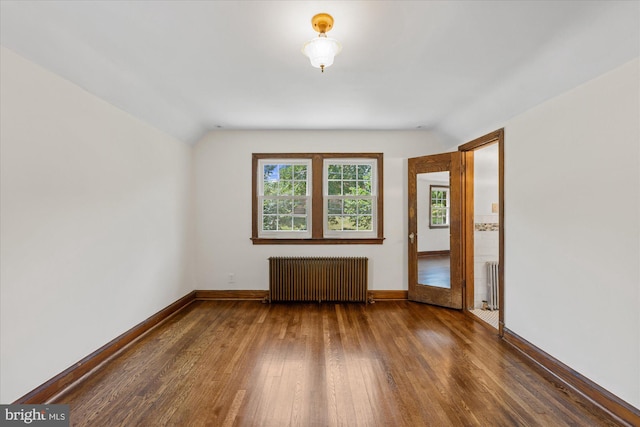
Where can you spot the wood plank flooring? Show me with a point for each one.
(393, 363)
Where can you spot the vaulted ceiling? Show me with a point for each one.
(461, 68)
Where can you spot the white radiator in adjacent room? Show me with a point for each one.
(493, 293)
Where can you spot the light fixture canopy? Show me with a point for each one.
(322, 49)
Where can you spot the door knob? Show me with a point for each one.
(412, 236)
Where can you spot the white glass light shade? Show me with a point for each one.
(321, 51)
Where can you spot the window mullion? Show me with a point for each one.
(317, 202)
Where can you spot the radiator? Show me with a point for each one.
(318, 279)
(492, 286)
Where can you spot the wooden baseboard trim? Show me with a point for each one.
(383, 295)
(72, 374)
(617, 408)
(232, 295)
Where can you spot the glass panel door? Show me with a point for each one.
(435, 229)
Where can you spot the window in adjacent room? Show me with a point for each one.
(317, 198)
(439, 207)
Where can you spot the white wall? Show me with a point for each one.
(572, 229)
(93, 223)
(485, 183)
(222, 162)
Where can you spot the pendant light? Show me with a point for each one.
(321, 50)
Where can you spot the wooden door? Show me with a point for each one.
(426, 283)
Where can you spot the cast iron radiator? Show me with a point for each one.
(318, 279)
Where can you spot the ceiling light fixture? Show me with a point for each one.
(322, 49)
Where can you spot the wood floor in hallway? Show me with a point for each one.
(393, 363)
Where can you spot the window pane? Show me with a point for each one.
(342, 222)
(270, 172)
(269, 223)
(270, 188)
(349, 222)
(334, 222)
(364, 206)
(335, 172)
(269, 206)
(300, 207)
(350, 187)
(350, 206)
(286, 172)
(335, 188)
(300, 188)
(285, 222)
(300, 172)
(365, 223)
(438, 216)
(285, 206)
(364, 172)
(334, 206)
(285, 188)
(364, 188)
(349, 172)
(299, 223)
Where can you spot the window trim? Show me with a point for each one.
(317, 199)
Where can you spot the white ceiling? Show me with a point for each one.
(461, 68)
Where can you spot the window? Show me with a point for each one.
(439, 206)
(310, 198)
(349, 197)
(284, 198)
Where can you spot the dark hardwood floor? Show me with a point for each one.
(395, 363)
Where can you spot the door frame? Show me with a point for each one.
(468, 223)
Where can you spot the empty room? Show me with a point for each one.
(320, 213)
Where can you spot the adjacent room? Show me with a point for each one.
(321, 213)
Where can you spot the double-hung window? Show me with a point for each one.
(284, 198)
(439, 206)
(317, 198)
(350, 196)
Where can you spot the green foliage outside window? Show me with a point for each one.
(351, 207)
(439, 207)
(284, 207)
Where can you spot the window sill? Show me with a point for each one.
(367, 241)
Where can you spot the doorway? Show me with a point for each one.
(484, 228)
(486, 248)
(441, 214)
